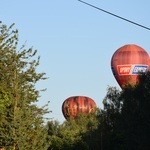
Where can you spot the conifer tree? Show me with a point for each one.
(21, 120)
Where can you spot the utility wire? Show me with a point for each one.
(114, 15)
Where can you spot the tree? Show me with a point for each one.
(110, 137)
(136, 114)
(73, 134)
(21, 123)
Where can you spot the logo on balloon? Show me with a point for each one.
(131, 69)
(140, 69)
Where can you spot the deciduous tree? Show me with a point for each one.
(21, 124)
(74, 133)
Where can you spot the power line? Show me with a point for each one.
(115, 15)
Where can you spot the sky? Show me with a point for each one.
(76, 43)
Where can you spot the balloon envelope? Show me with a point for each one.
(74, 105)
(128, 62)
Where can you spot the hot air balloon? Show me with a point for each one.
(75, 105)
(128, 62)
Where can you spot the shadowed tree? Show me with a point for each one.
(110, 137)
(136, 114)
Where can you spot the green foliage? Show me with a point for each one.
(21, 125)
(72, 134)
(4, 100)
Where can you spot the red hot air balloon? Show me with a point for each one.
(74, 105)
(128, 62)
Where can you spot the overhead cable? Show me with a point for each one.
(114, 15)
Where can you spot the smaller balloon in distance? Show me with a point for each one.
(75, 105)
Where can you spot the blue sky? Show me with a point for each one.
(76, 43)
